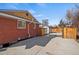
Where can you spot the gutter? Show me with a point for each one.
(18, 18)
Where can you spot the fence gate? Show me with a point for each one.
(70, 33)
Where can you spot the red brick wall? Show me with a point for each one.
(37, 30)
(33, 31)
(10, 33)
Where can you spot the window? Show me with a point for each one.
(21, 24)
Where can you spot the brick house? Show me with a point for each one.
(17, 25)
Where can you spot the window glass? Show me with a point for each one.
(21, 24)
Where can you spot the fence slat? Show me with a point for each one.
(70, 33)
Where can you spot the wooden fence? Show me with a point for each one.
(42, 31)
(56, 30)
(70, 33)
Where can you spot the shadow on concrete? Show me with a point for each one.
(29, 43)
(3, 49)
(40, 41)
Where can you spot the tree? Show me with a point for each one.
(69, 14)
(62, 23)
(73, 16)
(70, 17)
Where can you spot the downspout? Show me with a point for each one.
(29, 29)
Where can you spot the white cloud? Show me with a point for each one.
(41, 4)
(32, 11)
(40, 15)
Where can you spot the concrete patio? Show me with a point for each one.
(52, 44)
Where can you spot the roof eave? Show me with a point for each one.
(18, 18)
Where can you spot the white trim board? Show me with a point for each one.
(18, 18)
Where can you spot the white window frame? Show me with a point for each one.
(24, 27)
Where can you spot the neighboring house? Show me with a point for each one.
(45, 25)
(55, 29)
(17, 25)
(46, 28)
(50, 29)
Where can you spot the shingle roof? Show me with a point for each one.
(10, 12)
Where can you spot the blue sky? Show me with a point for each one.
(54, 12)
